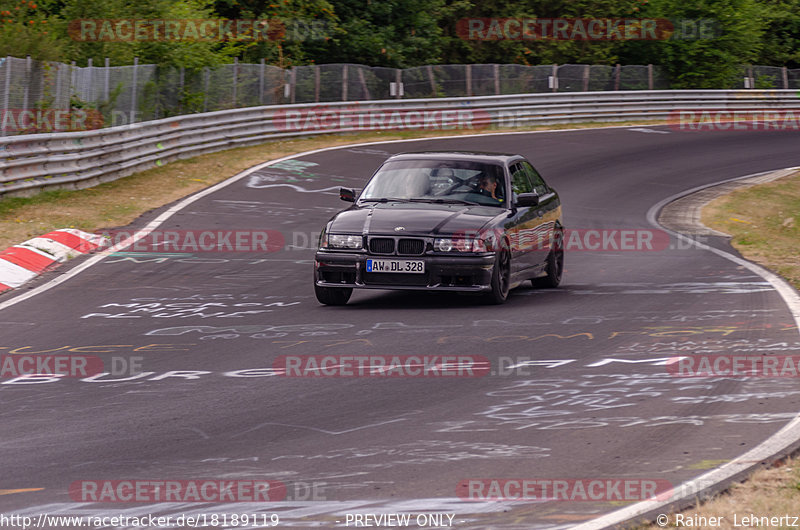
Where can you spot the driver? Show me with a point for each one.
(488, 186)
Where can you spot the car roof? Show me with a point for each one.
(477, 156)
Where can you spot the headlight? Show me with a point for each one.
(459, 244)
(342, 241)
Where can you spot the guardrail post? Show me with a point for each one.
(344, 84)
(617, 75)
(261, 82)
(469, 79)
(133, 89)
(649, 77)
(496, 68)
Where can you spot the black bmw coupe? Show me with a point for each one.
(444, 221)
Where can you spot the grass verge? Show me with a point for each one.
(770, 492)
(764, 224)
(120, 202)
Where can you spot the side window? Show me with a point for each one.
(539, 187)
(519, 180)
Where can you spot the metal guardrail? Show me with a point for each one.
(74, 160)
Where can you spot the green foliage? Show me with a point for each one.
(736, 28)
(408, 33)
(27, 29)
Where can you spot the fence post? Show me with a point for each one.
(649, 77)
(398, 80)
(555, 78)
(261, 82)
(28, 75)
(617, 73)
(785, 73)
(469, 80)
(432, 81)
(293, 84)
(586, 69)
(496, 68)
(752, 81)
(181, 84)
(344, 84)
(8, 82)
(107, 79)
(57, 99)
(235, 78)
(363, 84)
(133, 96)
(317, 81)
(71, 84)
(206, 76)
(90, 73)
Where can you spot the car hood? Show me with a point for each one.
(415, 218)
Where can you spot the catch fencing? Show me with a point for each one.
(121, 95)
(72, 160)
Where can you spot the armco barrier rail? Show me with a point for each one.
(73, 160)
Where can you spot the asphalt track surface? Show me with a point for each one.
(378, 445)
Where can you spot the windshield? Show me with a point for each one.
(438, 181)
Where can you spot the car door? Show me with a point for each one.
(547, 213)
(522, 224)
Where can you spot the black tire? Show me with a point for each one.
(333, 295)
(555, 265)
(501, 278)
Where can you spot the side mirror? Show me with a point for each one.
(347, 194)
(527, 199)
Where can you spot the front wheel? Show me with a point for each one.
(501, 278)
(332, 295)
(555, 265)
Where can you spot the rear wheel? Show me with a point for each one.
(501, 278)
(555, 265)
(332, 295)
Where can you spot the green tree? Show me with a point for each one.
(707, 54)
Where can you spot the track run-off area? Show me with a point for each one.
(578, 393)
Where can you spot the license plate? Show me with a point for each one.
(396, 265)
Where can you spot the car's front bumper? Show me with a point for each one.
(442, 272)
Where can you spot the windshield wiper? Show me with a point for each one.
(445, 201)
(384, 199)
